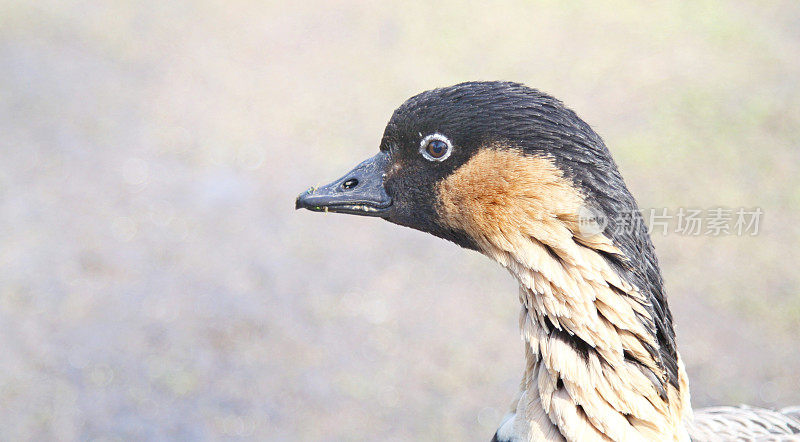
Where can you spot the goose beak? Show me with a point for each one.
(358, 192)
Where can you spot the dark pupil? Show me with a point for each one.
(437, 148)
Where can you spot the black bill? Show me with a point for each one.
(359, 192)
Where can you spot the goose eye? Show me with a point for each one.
(435, 147)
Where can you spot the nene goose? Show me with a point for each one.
(507, 171)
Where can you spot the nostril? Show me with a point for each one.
(350, 183)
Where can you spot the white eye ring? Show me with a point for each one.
(423, 147)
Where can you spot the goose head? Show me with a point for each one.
(480, 159)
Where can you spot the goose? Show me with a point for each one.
(510, 172)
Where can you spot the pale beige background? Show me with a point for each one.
(156, 283)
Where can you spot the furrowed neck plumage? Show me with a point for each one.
(600, 356)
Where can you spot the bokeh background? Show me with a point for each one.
(156, 283)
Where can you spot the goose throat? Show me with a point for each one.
(596, 366)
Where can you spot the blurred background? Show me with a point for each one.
(156, 282)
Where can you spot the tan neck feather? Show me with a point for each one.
(588, 373)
